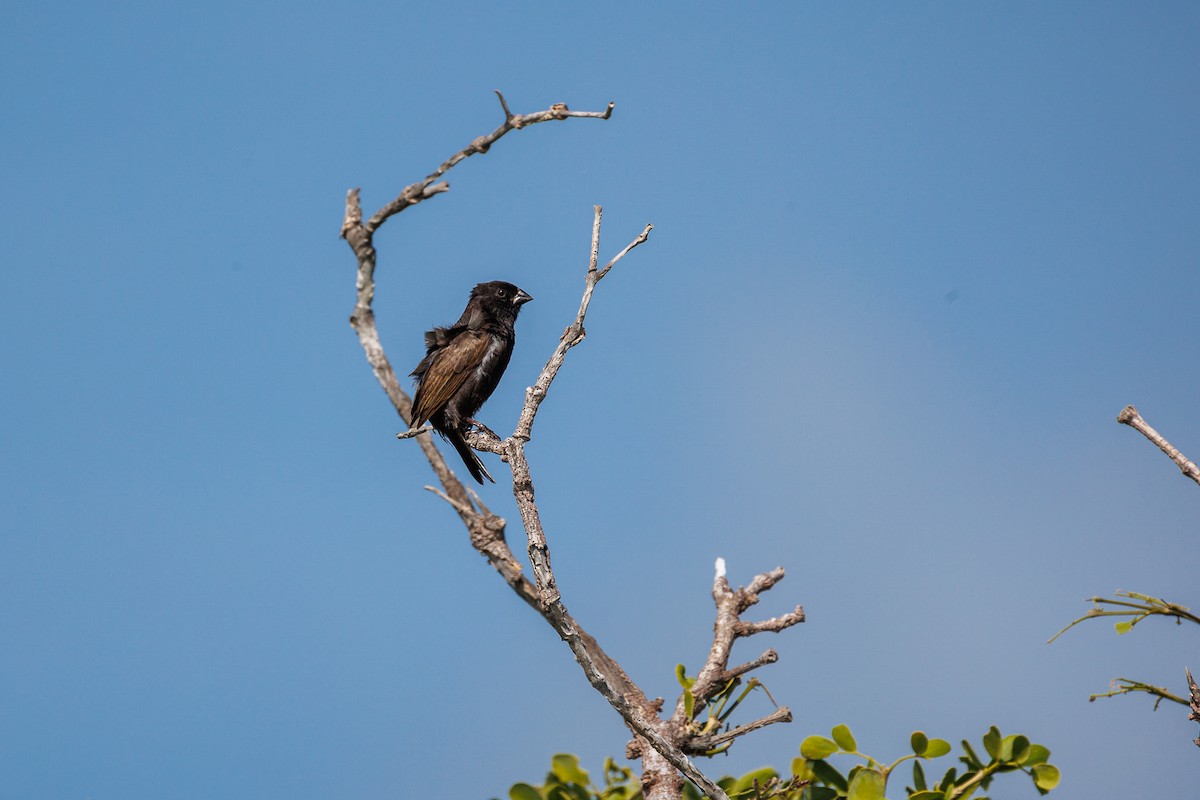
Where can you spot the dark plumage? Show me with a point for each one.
(463, 363)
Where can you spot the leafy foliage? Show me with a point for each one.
(868, 780)
(814, 778)
(1131, 610)
(566, 780)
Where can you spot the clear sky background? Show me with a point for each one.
(909, 262)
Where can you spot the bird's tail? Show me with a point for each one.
(474, 465)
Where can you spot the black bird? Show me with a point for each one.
(463, 363)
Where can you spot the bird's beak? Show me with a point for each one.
(520, 298)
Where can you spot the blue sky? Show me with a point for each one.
(909, 262)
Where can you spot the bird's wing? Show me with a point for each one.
(446, 373)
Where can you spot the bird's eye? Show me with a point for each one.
(502, 293)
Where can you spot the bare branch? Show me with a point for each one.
(1127, 686)
(1193, 701)
(641, 239)
(507, 114)
(353, 216)
(629, 701)
(714, 678)
(705, 744)
(772, 625)
(465, 510)
(573, 335)
(487, 531)
(769, 657)
(1130, 416)
(360, 238)
(421, 190)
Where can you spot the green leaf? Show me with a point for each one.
(1020, 749)
(802, 769)
(919, 742)
(681, 676)
(828, 775)
(568, 791)
(971, 759)
(1006, 749)
(523, 791)
(991, 742)
(947, 782)
(1037, 755)
(1123, 627)
(689, 703)
(844, 738)
(919, 777)
(1046, 777)
(868, 784)
(818, 747)
(566, 768)
(937, 748)
(927, 795)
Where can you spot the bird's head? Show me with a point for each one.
(500, 298)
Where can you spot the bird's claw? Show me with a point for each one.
(479, 426)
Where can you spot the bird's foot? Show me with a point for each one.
(482, 428)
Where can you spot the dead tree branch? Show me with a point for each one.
(1130, 416)
(657, 742)
(360, 237)
(716, 678)
(1193, 701)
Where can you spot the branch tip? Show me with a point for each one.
(1130, 416)
(508, 115)
(353, 215)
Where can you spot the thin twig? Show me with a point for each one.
(1130, 416)
(1146, 606)
(573, 335)
(459, 507)
(769, 657)
(1128, 686)
(422, 190)
(703, 744)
